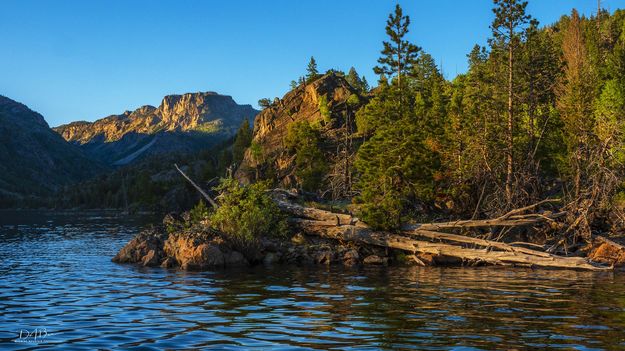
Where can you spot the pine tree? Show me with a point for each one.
(354, 80)
(312, 72)
(365, 84)
(575, 100)
(398, 55)
(509, 20)
(264, 103)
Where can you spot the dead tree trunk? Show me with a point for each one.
(426, 239)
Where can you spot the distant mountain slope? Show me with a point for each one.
(34, 160)
(186, 122)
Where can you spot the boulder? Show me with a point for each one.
(607, 252)
(270, 258)
(169, 262)
(193, 253)
(151, 259)
(350, 257)
(235, 258)
(375, 259)
(139, 247)
(324, 257)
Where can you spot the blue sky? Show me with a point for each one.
(83, 60)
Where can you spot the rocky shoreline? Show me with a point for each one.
(316, 236)
(178, 243)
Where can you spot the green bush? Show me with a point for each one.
(311, 166)
(247, 213)
(324, 110)
(199, 213)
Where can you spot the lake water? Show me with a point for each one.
(57, 284)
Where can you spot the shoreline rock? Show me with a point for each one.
(177, 244)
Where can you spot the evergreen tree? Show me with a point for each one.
(311, 71)
(509, 20)
(575, 100)
(304, 141)
(264, 103)
(398, 54)
(365, 84)
(355, 81)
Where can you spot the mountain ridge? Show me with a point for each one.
(34, 160)
(184, 122)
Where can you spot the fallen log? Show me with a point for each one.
(365, 235)
(324, 224)
(331, 218)
(197, 187)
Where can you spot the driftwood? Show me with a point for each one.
(514, 218)
(345, 227)
(509, 257)
(419, 240)
(197, 187)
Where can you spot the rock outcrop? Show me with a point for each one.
(34, 160)
(182, 123)
(301, 104)
(195, 246)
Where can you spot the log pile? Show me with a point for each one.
(431, 238)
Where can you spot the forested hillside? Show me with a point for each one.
(538, 114)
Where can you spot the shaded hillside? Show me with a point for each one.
(34, 160)
(182, 123)
(319, 114)
(152, 183)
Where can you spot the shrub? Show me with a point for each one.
(324, 110)
(199, 213)
(311, 165)
(247, 213)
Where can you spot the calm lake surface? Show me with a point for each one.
(58, 283)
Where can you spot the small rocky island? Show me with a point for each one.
(308, 141)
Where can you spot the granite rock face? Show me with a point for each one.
(182, 123)
(301, 104)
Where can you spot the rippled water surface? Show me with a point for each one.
(56, 277)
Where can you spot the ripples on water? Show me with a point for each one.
(55, 273)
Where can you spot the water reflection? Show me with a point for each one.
(57, 274)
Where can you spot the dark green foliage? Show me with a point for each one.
(356, 82)
(199, 212)
(242, 141)
(264, 103)
(398, 164)
(312, 73)
(304, 141)
(398, 54)
(151, 184)
(247, 212)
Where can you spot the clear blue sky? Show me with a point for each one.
(83, 60)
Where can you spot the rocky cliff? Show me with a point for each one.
(182, 123)
(34, 160)
(304, 103)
